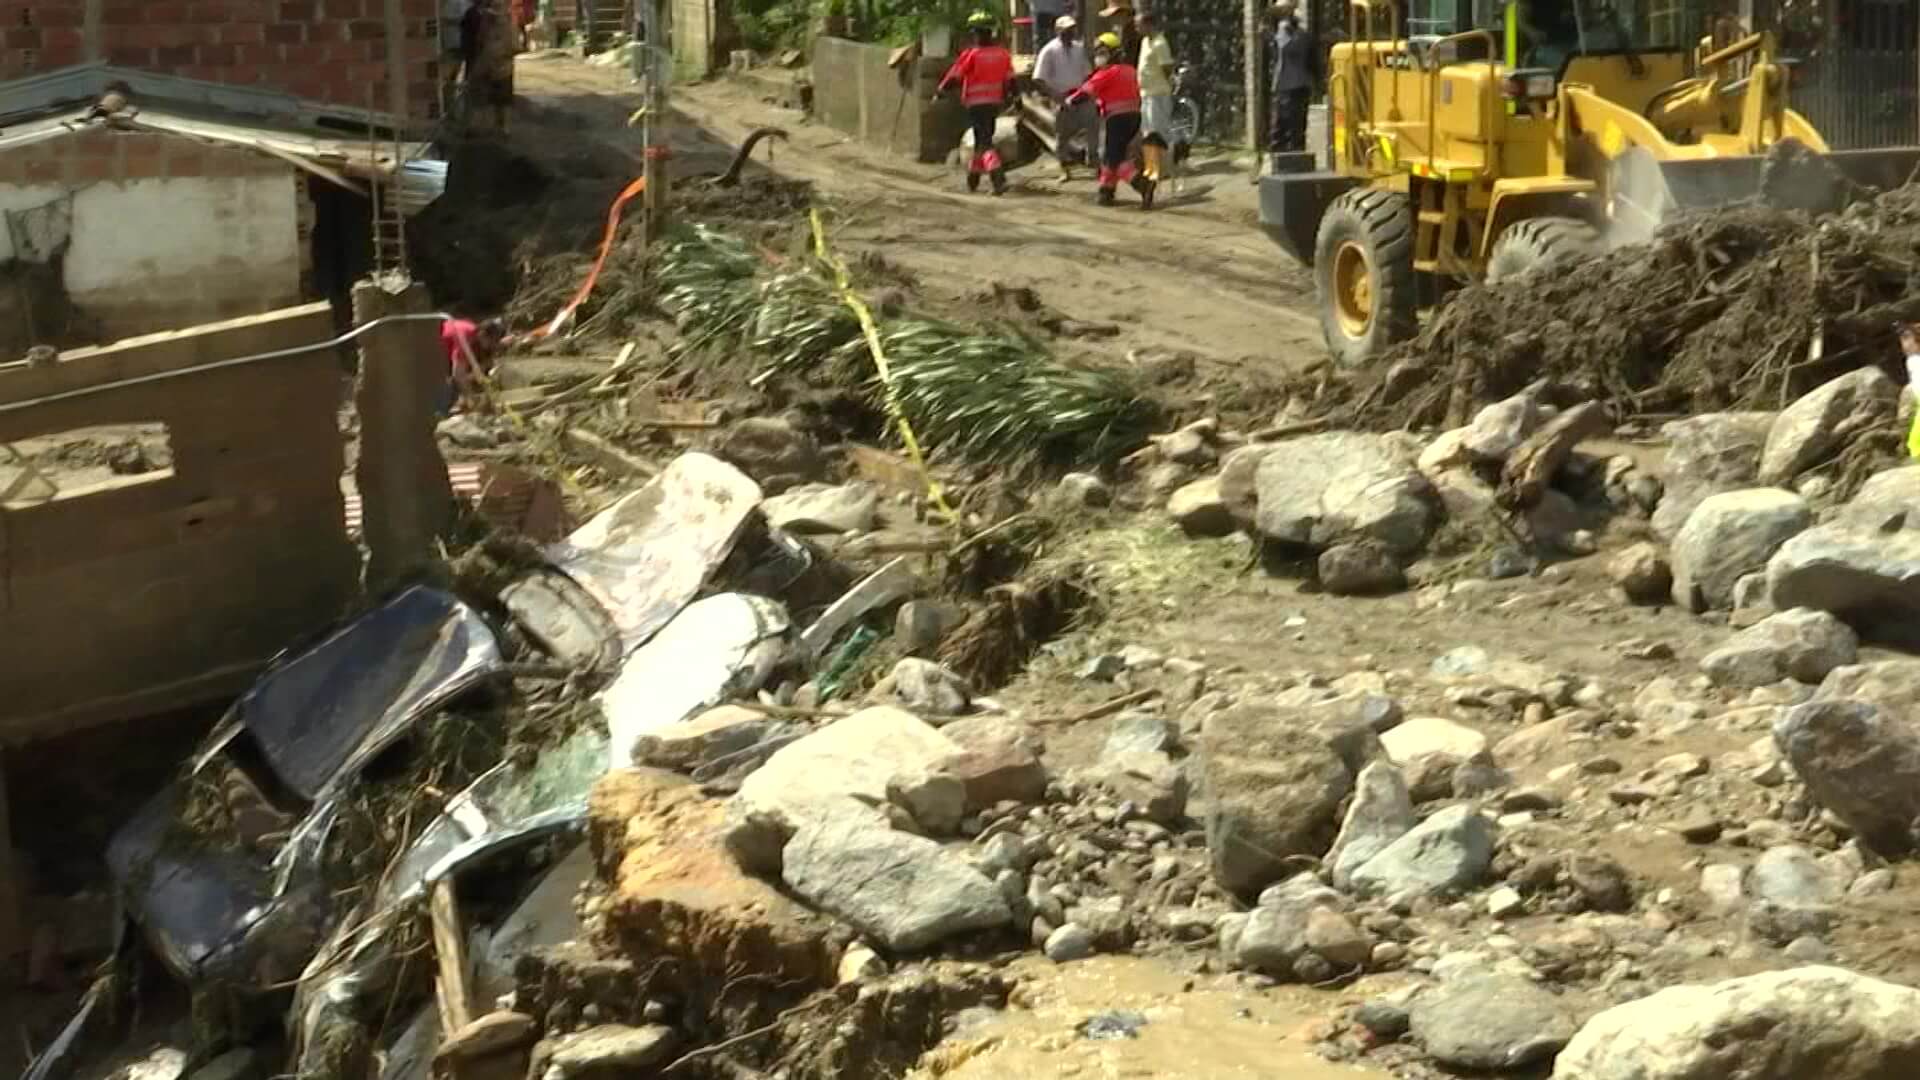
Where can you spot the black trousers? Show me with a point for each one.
(983, 118)
(1290, 120)
(1121, 128)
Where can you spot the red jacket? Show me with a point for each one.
(1116, 87)
(984, 72)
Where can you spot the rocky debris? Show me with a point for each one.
(604, 1052)
(703, 739)
(844, 767)
(1792, 895)
(1386, 1021)
(1083, 490)
(1864, 564)
(1781, 1025)
(1200, 509)
(674, 891)
(1321, 490)
(997, 760)
(929, 689)
(1707, 455)
(1860, 762)
(495, 1033)
(824, 509)
(1823, 421)
(1068, 943)
(904, 891)
(934, 800)
(1334, 938)
(1137, 730)
(1239, 485)
(772, 452)
(1148, 780)
(1642, 574)
(1801, 644)
(1728, 536)
(1273, 940)
(1447, 853)
(1272, 793)
(1431, 750)
(921, 625)
(1380, 813)
(1490, 1021)
(1359, 569)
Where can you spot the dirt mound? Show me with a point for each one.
(1746, 307)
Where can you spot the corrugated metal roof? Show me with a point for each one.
(315, 137)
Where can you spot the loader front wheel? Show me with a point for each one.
(1363, 274)
(1541, 242)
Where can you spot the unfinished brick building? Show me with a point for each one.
(378, 54)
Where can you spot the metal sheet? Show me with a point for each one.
(721, 647)
(645, 557)
(324, 713)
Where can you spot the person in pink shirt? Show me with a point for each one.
(470, 348)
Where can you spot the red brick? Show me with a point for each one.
(96, 167)
(241, 34)
(142, 144)
(66, 16)
(218, 55)
(122, 15)
(55, 38)
(44, 170)
(256, 56)
(344, 9)
(131, 56)
(311, 54)
(144, 167)
(367, 30)
(285, 33)
(297, 11)
(187, 164)
(174, 56)
(166, 14)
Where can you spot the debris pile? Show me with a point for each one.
(1742, 308)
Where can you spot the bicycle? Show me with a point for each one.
(1184, 125)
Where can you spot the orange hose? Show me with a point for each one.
(593, 275)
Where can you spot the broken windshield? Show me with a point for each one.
(1552, 31)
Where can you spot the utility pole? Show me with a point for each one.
(654, 130)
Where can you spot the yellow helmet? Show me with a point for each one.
(979, 19)
(1108, 40)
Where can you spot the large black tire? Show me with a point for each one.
(1537, 243)
(1363, 274)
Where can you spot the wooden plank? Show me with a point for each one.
(454, 996)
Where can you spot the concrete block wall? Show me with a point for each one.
(161, 231)
(149, 591)
(331, 51)
(856, 92)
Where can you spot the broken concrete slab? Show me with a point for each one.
(824, 509)
(904, 891)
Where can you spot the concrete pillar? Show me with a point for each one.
(1256, 110)
(405, 497)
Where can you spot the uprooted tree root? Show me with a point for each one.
(1743, 308)
(995, 643)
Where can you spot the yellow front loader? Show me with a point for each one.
(1470, 145)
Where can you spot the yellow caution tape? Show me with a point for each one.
(843, 283)
(1913, 436)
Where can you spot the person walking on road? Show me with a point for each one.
(1116, 88)
(985, 74)
(1156, 96)
(1295, 71)
(1060, 69)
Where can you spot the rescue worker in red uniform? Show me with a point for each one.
(985, 74)
(1115, 87)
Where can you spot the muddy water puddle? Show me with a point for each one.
(1217, 1030)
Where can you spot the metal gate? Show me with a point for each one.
(1858, 72)
(1207, 34)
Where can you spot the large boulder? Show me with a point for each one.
(1782, 1025)
(1448, 853)
(1864, 564)
(1728, 536)
(1861, 762)
(1200, 508)
(1275, 936)
(904, 891)
(998, 760)
(1707, 455)
(1239, 481)
(1380, 813)
(1801, 644)
(1824, 420)
(1490, 1021)
(1321, 490)
(843, 768)
(1273, 791)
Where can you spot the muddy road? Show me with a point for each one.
(1196, 275)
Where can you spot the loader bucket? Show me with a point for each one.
(1646, 192)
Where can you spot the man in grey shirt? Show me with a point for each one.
(1060, 69)
(1295, 71)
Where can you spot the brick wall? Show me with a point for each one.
(218, 236)
(332, 51)
(147, 591)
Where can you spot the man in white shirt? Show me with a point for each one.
(1060, 69)
(1910, 343)
(1156, 78)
